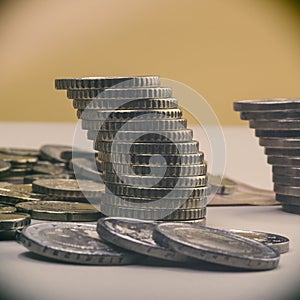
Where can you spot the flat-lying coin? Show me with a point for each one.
(267, 104)
(11, 197)
(153, 214)
(150, 148)
(132, 93)
(53, 153)
(286, 171)
(277, 133)
(68, 188)
(125, 104)
(72, 242)
(134, 125)
(48, 168)
(136, 235)
(13, 221)
(20, 151)
(275, 124)
(270, 115)
(4, 167)
(16, 160)
(106, 82)
(280, 142)
(60, 211)
(216, 246)
(275, 241)
(286, 180)
(287, 189)
(139, 114)
(284, 161)
(6, 209)
(33, 177)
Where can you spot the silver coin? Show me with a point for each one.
(134, 125)
(216, 246)
(106, 82)
(60, 211)
(286, 180)
(271, 115)
(285, 199)
(294, 209)
(136, 235)
(4, 167)
(137, 114)
(13, 221)
(53, 153)
(286, 171)
(284, 160)
(150, 148)
(72, 242)
(125, 103)
(85, 169)
(282, 151)
(280, 142)
(287, 189)
(277, 133)
(132, 93)
(267, 104)
(275, 241)
(275, 124)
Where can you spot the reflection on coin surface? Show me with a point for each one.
(72, 242)
(60, 211)
(135, 235)
(275, 241)
(216, 246)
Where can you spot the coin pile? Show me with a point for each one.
(277, 125)
(150, 164)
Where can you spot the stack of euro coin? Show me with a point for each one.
(150, 164)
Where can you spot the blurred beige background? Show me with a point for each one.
(226, 50)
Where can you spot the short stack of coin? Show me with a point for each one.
(138, 183)
(277, 125)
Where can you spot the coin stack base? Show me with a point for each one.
(277, 125)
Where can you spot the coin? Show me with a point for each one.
(134, 125)
(4, 167)
(277, 133)
(280, 142)
(85, 169)
(270, 115)
(106, 82)
(153, 170)
(33, 177)
(11, 197)
(125, 103)
(168, 203)
(16, 160)
(132, 93)
(5, 209)
(286, 171)
(293, 200)
(68, 188)
(49, 168)
(136, 235)
(284, 161)
(216, 246)
(20, 151)
(157, 193)
(138, 114)
(275, 241)
(184, 135)
(53, 153)
(282, 151)
(286, 180)
(284, 124)
(287, 189)
(150, 148)
(152, 181)
(74, 243)
(294, 209)
(60, 211)
(13, 221)
(267, 104)
(153, 214)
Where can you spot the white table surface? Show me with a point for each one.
(23, 277)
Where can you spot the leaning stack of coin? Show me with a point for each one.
(277, 125)
(148, 160)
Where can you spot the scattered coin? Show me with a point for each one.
(4, 167)
(73, 242)
(275, 241)
(20, 151)
(13, 221)
(30, 178)
(216, 246)
(49, 168)
(5, 209)
(53, 153)
(60, 211)
(16, 160)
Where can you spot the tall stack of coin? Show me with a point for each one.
(277, 125)
(148, 160)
